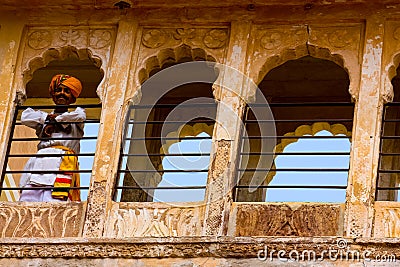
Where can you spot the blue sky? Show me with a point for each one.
(186, 163)
(281, 178)
(311, 178)
(281, 161)
(86, 163)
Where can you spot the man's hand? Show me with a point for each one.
(51, 117)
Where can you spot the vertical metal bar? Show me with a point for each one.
(385, 107)
(3, 174)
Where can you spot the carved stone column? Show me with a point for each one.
(365, 147)
(109, 138)
(11, 29)
(226, 133)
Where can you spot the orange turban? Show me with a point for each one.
(71, 82)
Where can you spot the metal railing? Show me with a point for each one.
(388, 182)
(141, 168)
(21, 149)
(250, 158)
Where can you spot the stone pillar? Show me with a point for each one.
(366, 136)
(111, 124)
(222, 170)
(11, 29)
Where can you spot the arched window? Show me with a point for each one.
(174, 99)
(24, 140)
(305, 96)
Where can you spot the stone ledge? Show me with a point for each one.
(187, 247)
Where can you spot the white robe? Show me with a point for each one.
(36, 119)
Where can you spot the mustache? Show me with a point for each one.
(62, 96)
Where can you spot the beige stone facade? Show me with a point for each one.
(125, 46)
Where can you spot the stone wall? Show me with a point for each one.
(362, 38)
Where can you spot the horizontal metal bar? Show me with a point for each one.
(393, 104)
(170, 138)
(160, 187)
(69, 122)
(326, 104)
(388, 171)
(163, 171)
(390, 137)
(293, 120)
(296, 153)
(168, 155)
(294, 186)
(389, 154)
(294, 170)
(170, 122)
(43, 171)
(49, 155)
(297, 137)
(54, 138)
(390, 120)
(43, 188)
(173, 105)
(59, 106)
(388, 188)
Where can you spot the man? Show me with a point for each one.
(53, 127)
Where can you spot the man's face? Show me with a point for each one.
(62, 95)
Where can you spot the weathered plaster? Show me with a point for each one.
(251, 41)
(11, 29)
(226, 132)
(289, 219)
(104, 165)
(41, 219)
(154, 220)
(187, 247)
(364, 154)
(390, 58)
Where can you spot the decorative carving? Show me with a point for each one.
(387, 219)
(216, 38)
(41, 220)
(345, 37)
(100, 38)
(391, 222)
(211, 40)
(396, 33)
(154, 38)
(153, 221)
(284, 220)
(216, 188)
(100, 251)
(39, 39)
(271, 40)
(73, 37)
(355, 229)
(46, 44)
(221, 159)
(184, 34)
(340, 38)
(94, 222)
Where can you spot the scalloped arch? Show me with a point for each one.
(296, 53)
(186, 130)
(171, 56)
(61, 54)
(304, 129)
(391, 72)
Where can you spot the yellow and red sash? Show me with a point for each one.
(69, 179)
